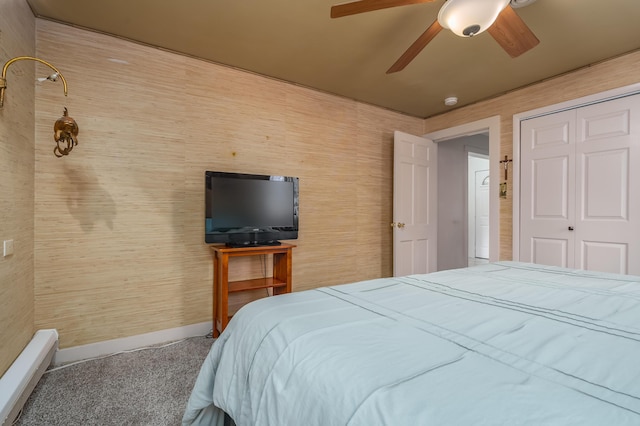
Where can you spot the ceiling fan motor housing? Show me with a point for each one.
(471, 30)
(467, 18)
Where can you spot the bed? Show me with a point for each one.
(505, 343)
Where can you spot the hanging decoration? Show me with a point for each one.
(65, 128)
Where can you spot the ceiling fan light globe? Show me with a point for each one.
(466, 18)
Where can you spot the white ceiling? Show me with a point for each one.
(297, 41)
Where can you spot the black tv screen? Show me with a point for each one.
(250, 210)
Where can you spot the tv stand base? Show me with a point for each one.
(279, 282)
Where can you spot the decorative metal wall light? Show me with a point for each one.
(65, 129)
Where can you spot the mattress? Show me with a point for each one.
(505, 343)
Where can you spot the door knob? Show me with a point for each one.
(571, 228)
(400, 225)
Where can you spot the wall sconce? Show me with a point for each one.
(65, 129)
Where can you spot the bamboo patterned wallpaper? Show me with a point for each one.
(119, 233)
(17, 38)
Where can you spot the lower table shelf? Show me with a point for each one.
(279, 282)
(255, 284)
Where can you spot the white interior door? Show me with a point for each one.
(414, 205)
(482, 214)
(580, 191)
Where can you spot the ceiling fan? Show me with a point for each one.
(466, 18)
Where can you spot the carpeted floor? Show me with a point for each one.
(147, 387)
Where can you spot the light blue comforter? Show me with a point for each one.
(499, 344)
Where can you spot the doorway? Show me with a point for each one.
(457, 200)
(457, 256)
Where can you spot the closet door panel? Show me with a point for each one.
(550, 188)
(547, 189)
(604, 257)
(550, 251)
(605, 185)
(607, 229)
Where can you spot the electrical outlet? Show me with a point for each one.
(8, 248)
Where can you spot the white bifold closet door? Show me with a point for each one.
(580, 188)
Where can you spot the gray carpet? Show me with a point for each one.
(148, 387)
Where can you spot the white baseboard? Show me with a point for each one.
(107, 347)
(18, 381)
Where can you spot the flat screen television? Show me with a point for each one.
(250, 210)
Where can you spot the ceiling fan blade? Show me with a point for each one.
(416, 47)
(355, 7)
(510, 31)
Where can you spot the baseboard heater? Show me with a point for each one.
(18, 381)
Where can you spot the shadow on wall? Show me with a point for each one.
(87, 201)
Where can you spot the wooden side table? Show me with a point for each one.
(280, 282)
